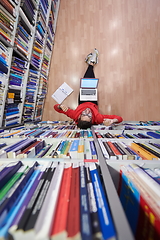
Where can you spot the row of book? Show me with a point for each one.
(23, 37)
(39, 41)
(134, 125)
(29, 8)
(30, 98)
(57, 124)
(44, 132)
(9, 6)
(54, 201)
(119, 150)
(139, 191)
(49, 43)
(7, 20)
(14, 96)
(39, 148)
(130, 135)
(4, 57)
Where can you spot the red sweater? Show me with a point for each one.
(97, 118)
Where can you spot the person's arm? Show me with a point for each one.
(110, 119)
(65, 110)
(107, 119)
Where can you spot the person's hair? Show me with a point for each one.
(84, 124)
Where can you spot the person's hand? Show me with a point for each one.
(108, 122)
(63, 107)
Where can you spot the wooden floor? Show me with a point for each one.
(127, 35)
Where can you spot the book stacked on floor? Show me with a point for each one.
(30, 99)
(139, 192)
(39, 40)
(133, 150)
(54, 201)
(14, 96)
(32, 147)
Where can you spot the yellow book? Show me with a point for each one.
(10, 95)
(13, 133)
(80, 151)
(146, 154)
(37, 49)
(67, 133)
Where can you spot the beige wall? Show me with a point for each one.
(127, 35)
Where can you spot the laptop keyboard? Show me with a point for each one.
(88, 92)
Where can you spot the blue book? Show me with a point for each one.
(17, 205)
(11, 113)
(93, 149)
(11, 198)
(154, 135)
(8, 172)
(11, 147)
(105, 218)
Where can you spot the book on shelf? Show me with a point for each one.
(139, 204)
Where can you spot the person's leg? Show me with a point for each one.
(89, 72)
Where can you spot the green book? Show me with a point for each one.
(12, 181)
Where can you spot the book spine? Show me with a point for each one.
(86, 230)
(46, 217)
(73, 221)
(59, 226)
(39, 202)
(97, 234)
(106, 222)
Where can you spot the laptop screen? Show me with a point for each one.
(89, 82)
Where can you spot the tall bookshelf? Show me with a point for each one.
(66, 131)
(27, 39)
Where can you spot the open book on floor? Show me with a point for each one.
(62, 93)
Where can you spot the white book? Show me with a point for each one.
(46, 216)
(62, 93)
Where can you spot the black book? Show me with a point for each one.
(39, 201)
(109, 150)
(96, 230)
(31, 204)
(149, 150)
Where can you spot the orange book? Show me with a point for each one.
(58, 230)
(37, 49)
(10, 95)
(115, 150)
(146, 154)
(7, 6)
(73, 220)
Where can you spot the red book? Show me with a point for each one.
(140, 207)
(115, 150)
(58, 230)
(73, 220)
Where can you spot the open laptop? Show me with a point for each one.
(88, 89)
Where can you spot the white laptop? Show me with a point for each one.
(88, 89)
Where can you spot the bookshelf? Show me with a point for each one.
(55, 132)
(27, 39)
